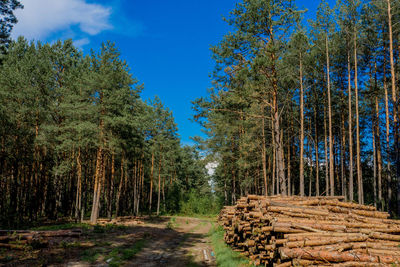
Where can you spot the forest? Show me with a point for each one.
(307, 108)
(77, 140)
(297, 107)
(299, 155)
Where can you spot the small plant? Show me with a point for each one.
(91, 255)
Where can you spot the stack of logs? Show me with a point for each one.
(21, 239)
(312, 231)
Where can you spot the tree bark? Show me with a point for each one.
(331, 154)
(111, 192)
(359, 171)
(97, 186)
(159, 185)
(327, 181)
(316, 148)
(151, 181)
(264, 154)
(350, 122)
(121, 182)
(78, 199)
(301, 128)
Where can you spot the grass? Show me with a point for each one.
(172, 223)
(120, 254)
(64, 226)
(91, 255)
(224, 255)
(114, 257)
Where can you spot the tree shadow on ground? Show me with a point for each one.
(152, 243)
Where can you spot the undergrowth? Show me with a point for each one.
(224, 255)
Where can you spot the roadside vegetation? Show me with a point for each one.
(225, 256)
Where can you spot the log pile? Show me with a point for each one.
(21, 239)
(312, 231)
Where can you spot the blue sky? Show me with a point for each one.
(165, 42)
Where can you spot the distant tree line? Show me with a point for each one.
(308, 110)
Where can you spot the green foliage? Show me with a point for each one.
(91, 255)
(196, 203)
(120, 254)
(65, 116)
(224, 255)
(8, 19)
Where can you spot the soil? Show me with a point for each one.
(165, 241)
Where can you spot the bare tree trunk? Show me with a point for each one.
(395, 104)
(342, 155)
(378, 151)
(121, 182)
(111, 193)
(151, 181)
(387, 118)
(279, 152)
(159, 185)
(78, 200)
(359, 171)
(350, 122)
(274, 190)
(97, 186)
(392, 66)
(301, 129)
(316, 147)
(331, 154)
(264, 154)
(326, 155)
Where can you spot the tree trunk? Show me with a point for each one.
(159, 185)
(111, 192)
(151, 181)
(378, 152)
(264, 154)
(395, 105)
(97, 186)
(301, 129)
(387, 121)
(78, 200)
(342, 154)
(121, 182)
(316, 148)
(359, 173)
(350, 122)
(326, 155)
(273, 161)
(331, 154)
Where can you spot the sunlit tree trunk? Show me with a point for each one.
(350, 123)
(301, 128)
(359, 171)
(331, 154)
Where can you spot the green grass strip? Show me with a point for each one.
(224, 255)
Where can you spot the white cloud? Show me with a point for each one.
(81, 42)
(211, 166)
(41, 18)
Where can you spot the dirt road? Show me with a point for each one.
(179, 241)
(144, 242)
